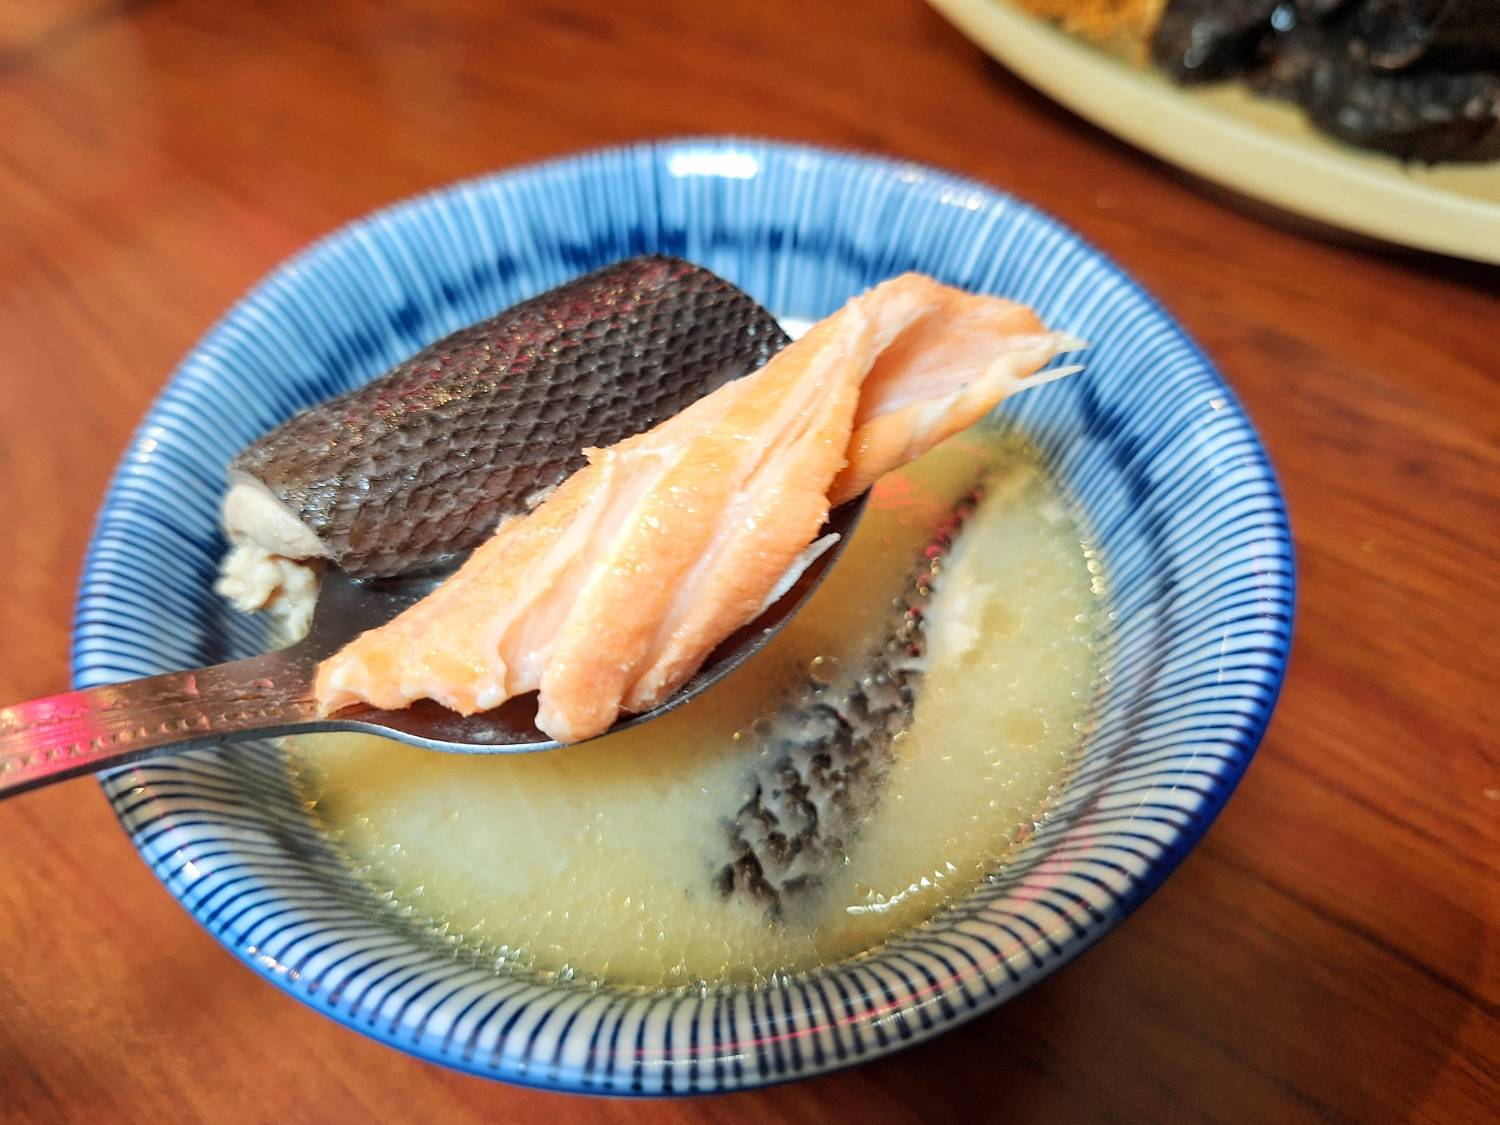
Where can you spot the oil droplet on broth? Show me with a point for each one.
(600, 860)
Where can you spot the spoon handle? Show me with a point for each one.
(77, 732)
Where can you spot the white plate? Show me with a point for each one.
(1261, 148)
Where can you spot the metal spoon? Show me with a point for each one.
(99, 728)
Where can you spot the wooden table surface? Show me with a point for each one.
(1331, 950)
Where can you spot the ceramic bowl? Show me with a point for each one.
(1150, 441)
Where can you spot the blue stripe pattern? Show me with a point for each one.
(1166, 471)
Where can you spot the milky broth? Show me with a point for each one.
(600, 860)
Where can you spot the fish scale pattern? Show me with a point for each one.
(1162, 464)
(424, 461)
(828, 748)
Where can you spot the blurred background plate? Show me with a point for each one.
(1261, 148)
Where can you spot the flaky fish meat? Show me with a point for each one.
(610, 594)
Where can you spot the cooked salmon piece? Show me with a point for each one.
(612, 592)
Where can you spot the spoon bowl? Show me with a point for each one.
(98, 728)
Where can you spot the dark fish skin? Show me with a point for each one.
(828, 751)
(424, 461)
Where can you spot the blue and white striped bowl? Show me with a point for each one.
(1151, 442)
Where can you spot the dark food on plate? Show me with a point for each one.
(1416, 78)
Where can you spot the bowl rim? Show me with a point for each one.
(1276, 534)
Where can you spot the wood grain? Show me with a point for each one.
(1331, 951)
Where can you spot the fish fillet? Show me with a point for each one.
(611, 593)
